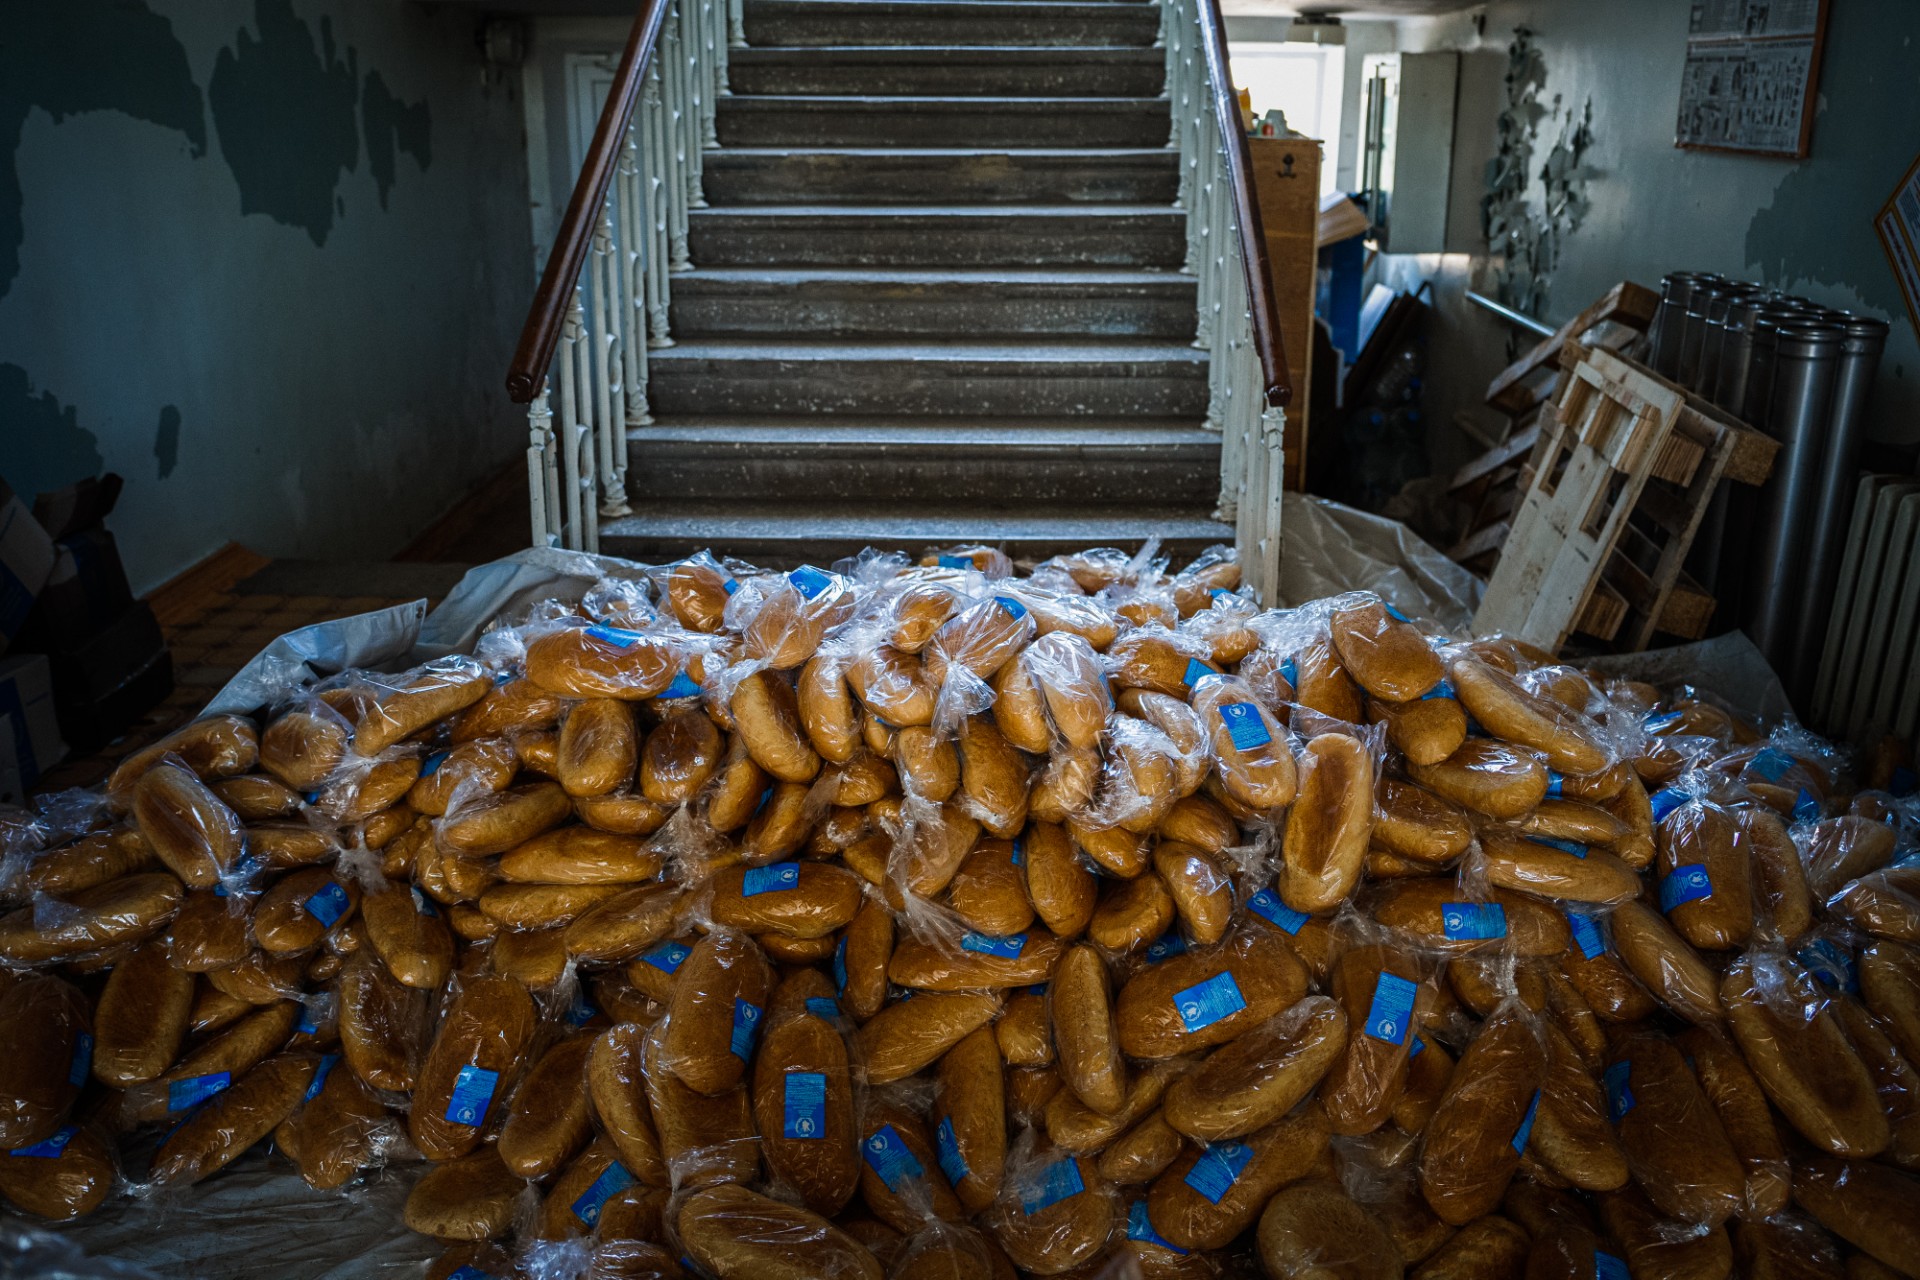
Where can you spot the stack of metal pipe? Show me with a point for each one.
(1800, 372)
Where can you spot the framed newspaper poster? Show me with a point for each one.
(1898, 223)
(1752, 69)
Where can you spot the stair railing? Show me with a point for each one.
(1239, 319)
(603, 299)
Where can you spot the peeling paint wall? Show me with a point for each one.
(266, 259)
(1802, 226)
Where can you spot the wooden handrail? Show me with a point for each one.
(1246, 209)
(554, 298)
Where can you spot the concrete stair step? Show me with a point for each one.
(1112, 235)
(950, 22)
(1088, 71)
(784, 175)
(819, 120)
(942, 461)
(882, 304)
(1116, 378)
(785, 535)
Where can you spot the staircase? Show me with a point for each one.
(935, 294)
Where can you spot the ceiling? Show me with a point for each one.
(1351, 8)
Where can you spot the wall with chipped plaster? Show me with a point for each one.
(266, 259)
(1802, 226)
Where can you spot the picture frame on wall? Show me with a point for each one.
(1751, 75)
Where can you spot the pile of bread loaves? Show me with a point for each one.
(931, 920)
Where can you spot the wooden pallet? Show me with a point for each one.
(1529, 380)
(1615, 490)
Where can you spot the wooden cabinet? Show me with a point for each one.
(1286, 179)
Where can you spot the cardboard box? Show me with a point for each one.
(26, 562)
(29, 724)
(87, 590)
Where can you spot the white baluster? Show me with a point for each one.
(633, 287)
(587, 535)
(609, 366)
(655, 189)
(1273, 429)
(709, 64)
(673, 75)
(736, 23)
(569, 430)
(541, 478)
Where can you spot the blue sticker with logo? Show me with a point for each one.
(840, 965)
(1140, 1227)
(1205, 1003)
(1685, 884)
(1013, 608)
(806, 1105)
(683, 686)
(1573, 847)
(1037, 989)
(955, 562)
(1442, 690)
(1473, 921)
(1805, 807)
(1618, 1081)
(825, 1008)
(48, 1148)
(1059, 1181)
(1521, 1134)
(611, 1182)
(472, 1094)
(887, 1155)
(1586, 933)
(1290, 672)
(82, 1060)
(1218, 1168)
(1245, 726)
(1665, 801)
(1392, 1010)
(1392, 612)
(776, 878)
(1196, 672)
(746, 1028)
(320, 1075)
(1019, 854)
(431, 765)
(809, 581)
(307, 1025)
(328, 904)
(1556, 783)
(1654, 722)
(668, 956)
(618, 637)
(1771, 764)
(1166, 947)
(1418, 1045)
(1608, 1267)
(986, 944)
(1267, 905)
(185, 1095)
(947, 1150)
(1829, 962)
(472, 1273)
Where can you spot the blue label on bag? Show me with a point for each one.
(1007, 948)
(947, 1149)
(840, 965)
(306, 1026)
(328, 904)
(615, 636)
(1218, 1167)
(612, 1181)
(1573, 847)
(247, 866)
(1442, 690)
(1019, 854)
(1418, 1045)
(668, 956)
(431, 765)
(1654, 722)
(472, 1095)
(1037, 989)
(1392, 612)
(1014, 608)
(184, 1095)
(809, 581)
(1205, 1003)
(1059, 1181)
(770, 879)
(48, 1148)
(764, 797)
(472, 1273)
(1140, 1227)
(1555, 782)
(1244, 725)
(1684, 885)
(1828, 961)
(1521, 1134)
(746, 1028)
(887, 1156)
(1473, 921)
(683, 686)
(1771, 764)
(1290, 672)
(1665, 801)
(1166, 947)
(954, 562)
(1196, 672)
(581, 1011)
(1267, 905)
(1586, 932)
(422, 905)
(1392, 1010)
(806, 1105)
(1617, 1079)
(320, 1074)
(1607, 1267)
(1805, 807)
(82, 1060)
(825, 1008)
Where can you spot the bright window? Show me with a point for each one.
(1303, 80)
